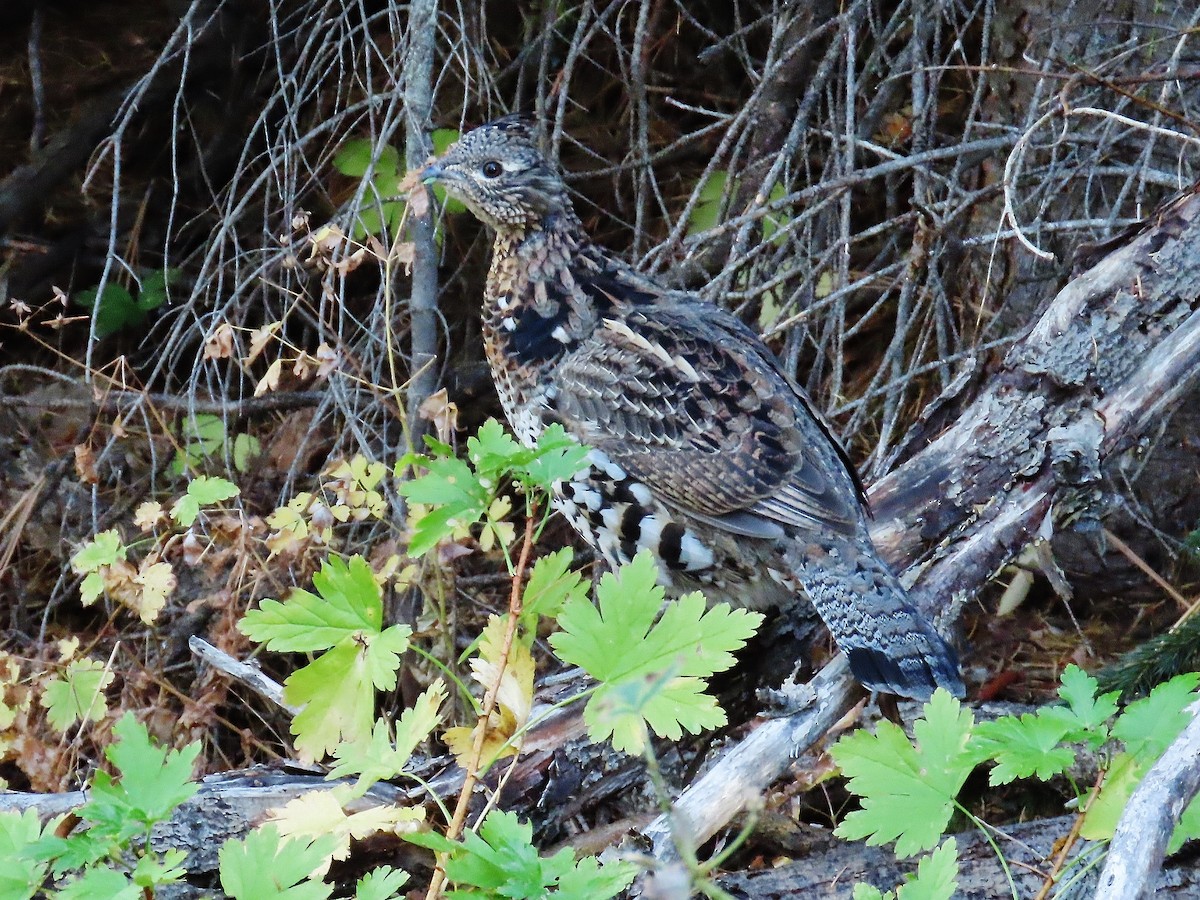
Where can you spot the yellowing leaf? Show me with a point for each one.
(514, 697)
(320, 812)
(339, 704)
(157, 581)
(148, 515)
(77, 694)
(337, 690)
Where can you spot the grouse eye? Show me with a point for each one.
(492, 169)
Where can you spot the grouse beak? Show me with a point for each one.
(431, 173)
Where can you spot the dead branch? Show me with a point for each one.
(418, 102)
(1136, 852)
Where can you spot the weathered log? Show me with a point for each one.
(834, 867)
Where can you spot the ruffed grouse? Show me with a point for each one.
(704, 452)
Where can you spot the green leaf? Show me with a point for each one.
(502, 861)
(153, 780)
(153, 870)
(78, 694)
(1188, 828)
(380, 758)
(550, 585)
(937, 875)
(100, 882)
(494, 452)
(348, 600)
(557, 457)
(263, 866)
(204, 430)
(83, 849)
(202, 490)
(589, 878)
(648, 671)
(907, 790)
(456, 495)
(117, 308)
(153, 292)
(866, 892)
(103, 550)
(1030, 745)
(381, 884)
(201, 434)
(936, 878)
(245, 448)
(207, 490)
(442, 139)
(1079, 691)
(773, 223)
(91, 587)
(21, 876)
(707, 211)
(1034, 743)
(1147, 727)
(354, 158)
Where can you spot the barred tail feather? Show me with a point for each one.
(891, 647)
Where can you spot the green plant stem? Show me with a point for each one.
(987, 836)
(697, 872)
(459, 684)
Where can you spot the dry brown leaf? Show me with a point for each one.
(438, 409)
(270, 381)
(259, 338)
(325, 240)
(404, 254)
(348, 264)
(219, 344)
(85, 464)
(328, 358)
(418, 201)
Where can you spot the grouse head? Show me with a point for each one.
(497, 171)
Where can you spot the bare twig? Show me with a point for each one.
(246, 673)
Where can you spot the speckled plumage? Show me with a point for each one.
(704, 452)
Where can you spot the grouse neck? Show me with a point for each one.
(537, 305)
